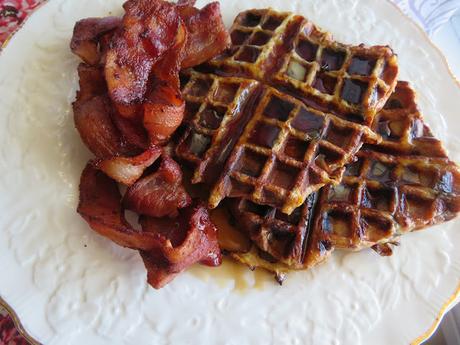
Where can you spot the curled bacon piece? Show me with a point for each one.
(164, 108)
(127, 81)
(93, 121)
(160, 194)
(92, 82)
(155, 38)
(128, 170)
(186, 2)
(188, 239)
(93, 117)
(168, 246)
(86, 35)
(100, 206)
(163, 113)
(132, 131)
(207, 33)
(201, 37)
(93, 114)
(148, 31)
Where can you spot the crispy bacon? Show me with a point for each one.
(153, 23)
(132, 131)
(190, 3)
(93, 121)
(100, 206)
(164, 108)
(86, 35)
(148, 31)
(129, 101)
(207, 35)
(160, 194)
(127, 75)
(104, 45)
(97, 116)
(163, 113)
(128, 170)
(152, 45)
(92, 82)
(129, 112)
(167, 69)
(188, 239)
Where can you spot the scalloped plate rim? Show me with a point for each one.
(450, 302)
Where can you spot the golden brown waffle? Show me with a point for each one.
(216, 111)
(282, 239)
(282, 114)
(380, 197)
(401, 126)
(283, 49)
(276, 150)
(268, 146)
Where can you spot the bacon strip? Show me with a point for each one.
(128, 170)
(148, 30)
(132, 131)
(86, 35)
(160, 194)
(164, 108)
(92, 82)
(127, 79)
(189, 239)
(163, 113)
(153, 43)
(93, 117)
(207, 37)
(190, 3)
(100, 206)
(93, 121)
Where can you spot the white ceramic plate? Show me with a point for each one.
(70, 286)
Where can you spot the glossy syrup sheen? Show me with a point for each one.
(232, 273)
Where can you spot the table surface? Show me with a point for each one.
(441, 21)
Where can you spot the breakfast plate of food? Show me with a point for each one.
(229, 172)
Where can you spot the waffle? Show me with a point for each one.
(255, 129)
(405, 183)
(275, 124)
(215, 116)
(267, 146)
(398, 186)
(284, 49)
(281, 239)
(401, 127)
